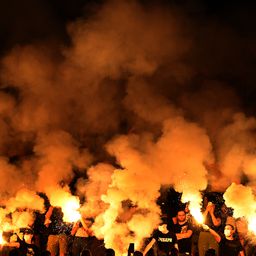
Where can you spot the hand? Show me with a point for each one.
(205, 227)
(210, 208)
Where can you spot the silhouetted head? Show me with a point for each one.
(110, 252)
(210, 252)
(137, 253)
(85, 252)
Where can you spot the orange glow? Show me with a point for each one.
(194, 198)
(252, 225)
(69, 204)
(70, 210)
(2, 241)
(197, 215)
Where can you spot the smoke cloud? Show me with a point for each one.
(130, 104)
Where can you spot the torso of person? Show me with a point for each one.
(165, 242)
(81, 232)
(185, 243)
(229, 247)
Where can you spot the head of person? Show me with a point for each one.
(45, 253)
(181, 215)
(88, 222)
(210, 252)
(137, 253)
(14, 252)
(110, 252)
(85, 252)
(28, 235)
(57, 213)
(187, 210)
(163, 226)
(229, 231)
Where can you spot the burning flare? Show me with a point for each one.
(69, 204)
(194, 199)
(70, 210)
(242, 200)
(2, 241)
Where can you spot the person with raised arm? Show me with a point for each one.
(229, 245)
(213, 220)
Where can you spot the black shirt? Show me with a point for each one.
(26, 249)
(229, 247)
(165, 242)
(57, 226)
(185, 243)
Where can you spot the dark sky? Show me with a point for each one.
(28, 21)
(23, 21)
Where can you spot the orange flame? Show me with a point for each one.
(69, 204)
(2, 241)
(70, 210)
(194, 198)
(198, 216)
(252, 225)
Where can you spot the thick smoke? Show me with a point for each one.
(242, 200)
(128, 106)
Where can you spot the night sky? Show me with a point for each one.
(112, 101)
(224, 31)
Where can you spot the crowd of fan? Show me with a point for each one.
(179, 235)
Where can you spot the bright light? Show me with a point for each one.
(71, 210)
(197, 215)
(2, 241)
(194, 198)
(252, 225)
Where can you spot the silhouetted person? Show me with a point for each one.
(229, 245)
(86, 252)
(137, 253)
(165, 240)
(83, 234)
(213, 220)
(110, 252)
(57, 240)
(210, 252)
(14, 252)
(183, 230)
(45, 253)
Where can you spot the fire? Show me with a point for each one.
(70, 210)
(2, 241)
(69, 204)
(194, 198)
(241, 198)
(252, 225)
(197, 214)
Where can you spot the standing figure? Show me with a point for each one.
(228, 244)
(213, 220)
(57, 240)
(183, 231)
(165, 241)
(82, 233)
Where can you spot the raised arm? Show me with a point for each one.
(210, 209)
(48, 216)
(216, 221)
(86, 228)
(75, 228)
(149, 246)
